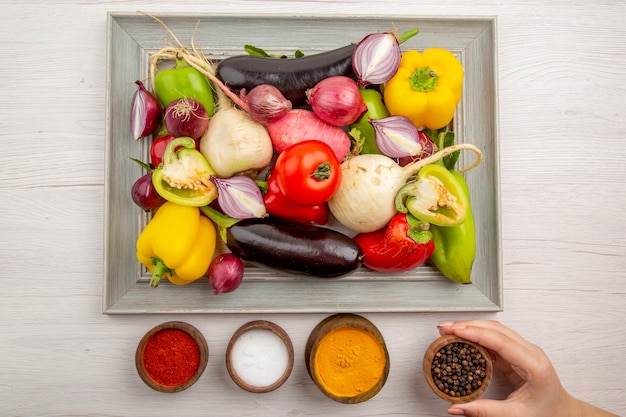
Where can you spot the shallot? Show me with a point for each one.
(266, 103)
(365, 201)
(337, 100)
(144, 193)
(225, 273)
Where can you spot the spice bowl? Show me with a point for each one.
(171, 357)
(457, 370)
(347, 359)
(259, 356)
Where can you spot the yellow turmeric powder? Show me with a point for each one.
(349, 361)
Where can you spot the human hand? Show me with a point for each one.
(538, 391)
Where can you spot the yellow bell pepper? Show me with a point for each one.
(426, 88)
(177, 244)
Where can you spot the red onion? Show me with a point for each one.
(337, 100)
(186, 117)
(145, 114)
(376, 58)
(225, 273)
(145, 195)
(266, 103)
(396, 136)
(239, 197)
(428, 148)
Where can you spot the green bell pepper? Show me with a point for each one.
(184, 81)
(436, 197)
(455, 247)
(184, 175)
(362, 131)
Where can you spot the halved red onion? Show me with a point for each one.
(239, 197)
(145, 114)
(396, 136)
(376, 58)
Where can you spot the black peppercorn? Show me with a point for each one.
(458, 369)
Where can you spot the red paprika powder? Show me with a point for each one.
(171, 357)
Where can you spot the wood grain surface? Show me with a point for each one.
(562, 106)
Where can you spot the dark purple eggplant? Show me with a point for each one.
(294, 249)
(292, 76)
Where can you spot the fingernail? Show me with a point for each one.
(456, 412)
(445, 324)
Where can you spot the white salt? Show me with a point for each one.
(259, 357)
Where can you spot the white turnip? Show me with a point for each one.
(365, 201)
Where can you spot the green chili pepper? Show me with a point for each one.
(362, 131)
(436, 196)
(455, 247)
(184, 176)
(184, 81)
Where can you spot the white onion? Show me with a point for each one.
(234, 143)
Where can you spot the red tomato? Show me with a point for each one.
(308, 173)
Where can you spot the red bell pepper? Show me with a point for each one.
(158, 145)
(403, 245)
(279, 206)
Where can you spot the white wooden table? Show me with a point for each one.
(562, 101)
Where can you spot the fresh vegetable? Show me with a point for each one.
(144, 194)
(277, 205)
(289, 248)
(336, 100)
(225, 273)
(403, 245)
(455, 247)
(428, 148)
(145, 112)
(186, 117)
(157, 148)
(426, 88)
(299, 125)
(443, 138)
(396, 137)
(177, 244)
(365, 200)
(266, 103)
(308, 173)
(377, 56)
(436, 196)
(234, 143)
(182, 81)
(292, 76)
(362, 131)
(239, 197)
(184, 176)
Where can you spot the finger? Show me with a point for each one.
(482, 408)
(521, 356)
(449, 327)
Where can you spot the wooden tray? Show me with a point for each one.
(132, 37)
